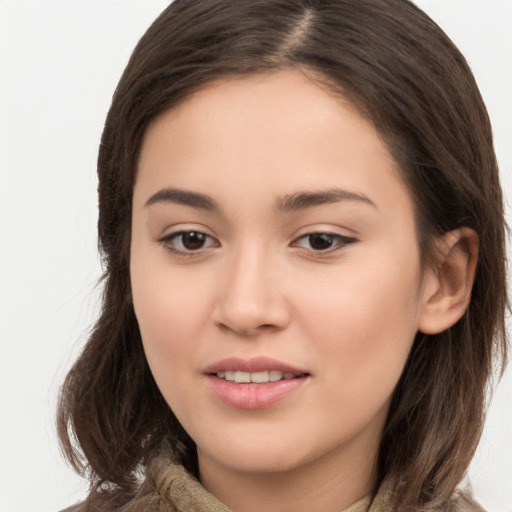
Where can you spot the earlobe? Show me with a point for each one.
(447, 289)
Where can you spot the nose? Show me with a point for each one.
(251, 298)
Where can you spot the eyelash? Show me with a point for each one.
(169, 239)
(337, 242)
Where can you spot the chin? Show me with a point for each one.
(249, 452)
(274, 452)
(256, 460)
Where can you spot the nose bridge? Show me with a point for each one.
(251, 297)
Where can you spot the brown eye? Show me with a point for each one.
(193, 240)
(320, 241)
(188, 242)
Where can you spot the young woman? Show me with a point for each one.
(302, 227)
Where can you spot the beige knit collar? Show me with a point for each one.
(184, 493)
(169, 488)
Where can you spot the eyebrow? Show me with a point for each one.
(185, 197)
(286, 204)
(304, 200)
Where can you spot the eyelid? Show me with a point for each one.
(182, 227)
(342, 241)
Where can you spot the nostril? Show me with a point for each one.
(247, 331)
(250, 315)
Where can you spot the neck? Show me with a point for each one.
(324, 484)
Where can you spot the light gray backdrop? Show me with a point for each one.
(59, 64)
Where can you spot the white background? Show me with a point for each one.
(59, 64)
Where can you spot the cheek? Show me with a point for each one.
(169, 308)
(364, 322)
(170, 314)
(164, 314)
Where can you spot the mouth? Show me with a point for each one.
(262, 377)
(258, 370)
(256, 383)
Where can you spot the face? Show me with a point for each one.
(275, 273)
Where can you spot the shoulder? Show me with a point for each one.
(460, 501)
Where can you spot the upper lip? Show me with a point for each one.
(256, 364)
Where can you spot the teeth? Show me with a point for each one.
(242, 377)
(260, 377)
(275, 376)
(255, 377)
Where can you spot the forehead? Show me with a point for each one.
(274, 134)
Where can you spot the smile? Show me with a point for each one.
(262, 377)
(256, 383)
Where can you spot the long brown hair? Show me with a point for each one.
(402, 73)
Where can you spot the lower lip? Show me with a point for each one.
(253, 396)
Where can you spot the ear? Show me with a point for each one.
(447, 289)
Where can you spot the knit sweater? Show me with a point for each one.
(169, 488)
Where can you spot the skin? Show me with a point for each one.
(259, 286)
